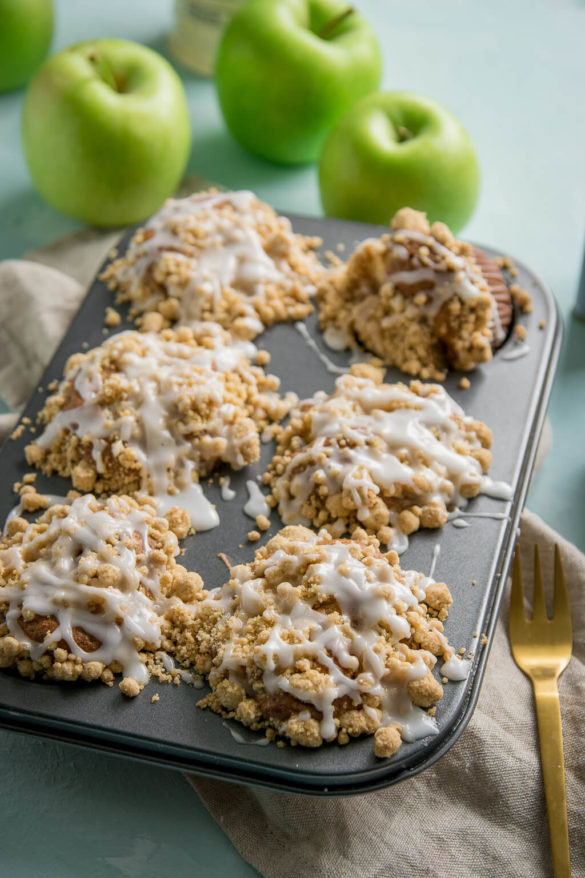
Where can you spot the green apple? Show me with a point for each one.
(26, 30)
(106, 131)
(397, 149)
(287, 70)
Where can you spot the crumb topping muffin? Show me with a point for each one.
(84, 588)
(221, 256)
(416, 297)
(387, 458)
(155, 412)
(319, 640)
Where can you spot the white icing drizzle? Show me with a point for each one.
(413, 446)
(455, 668)
(452, 276)
(312, 344)
(367, 596)
(201, 511)
(256, 504)
(190, 678)
(434, 559)
(90, 535)
(519, 350)
(498, 490)
(239, 738)
(156, 374)
(229, 254)
(336, 339)
(227, 493)
(457, 514)
(167, 661)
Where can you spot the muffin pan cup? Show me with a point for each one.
(510, 395)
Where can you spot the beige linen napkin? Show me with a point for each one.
(479, 811)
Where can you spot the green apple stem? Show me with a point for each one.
(104, 69)
(404, 133)
(330, 26)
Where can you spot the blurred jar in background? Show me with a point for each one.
(199, 25)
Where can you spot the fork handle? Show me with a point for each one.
(548, 712)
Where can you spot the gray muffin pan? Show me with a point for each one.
(510, 395)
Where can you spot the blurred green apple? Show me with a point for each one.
(26, 30)
(287, 70)
(106, 131)
(397, 149)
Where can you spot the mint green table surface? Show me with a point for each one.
(514, 72)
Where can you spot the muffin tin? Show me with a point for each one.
(509, 394)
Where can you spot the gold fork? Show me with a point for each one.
(542, 649)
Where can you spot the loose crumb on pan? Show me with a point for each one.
(288, 648)
(385, 458)
(262, 523)
(221, 256)
(464, 383)
(520, 332)
(416, 297)
(522, 298)
(130, 687)
(253, 536)
(112, 317)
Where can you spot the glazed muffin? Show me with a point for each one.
(221, 256)
(319, 639)
(388, 458)
(84, 589)
(156, 412)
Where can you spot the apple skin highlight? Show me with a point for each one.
(398, 149)
(106, 131)
(284, 76)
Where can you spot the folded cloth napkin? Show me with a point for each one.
(478, 811)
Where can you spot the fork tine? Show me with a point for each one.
(561, 600)
(538, 602)
(517, 594)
